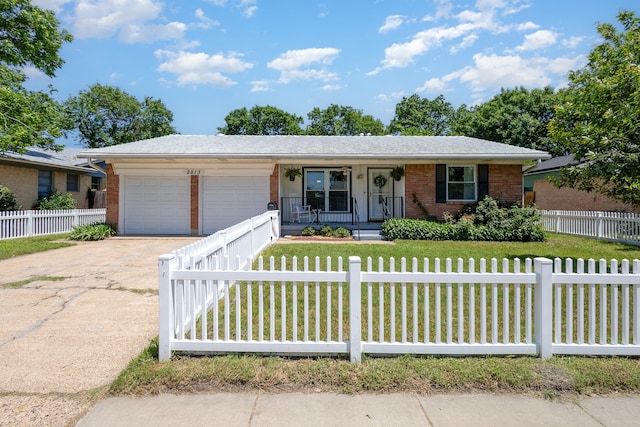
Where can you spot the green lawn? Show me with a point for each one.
(29, 245)
(550, 378)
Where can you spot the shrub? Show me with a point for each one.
(56, 201)
(326, 230)
(8, 200)
(488, 221)
(309, 231)
(97, 231)
(341, 232)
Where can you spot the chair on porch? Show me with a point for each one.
(300, 213)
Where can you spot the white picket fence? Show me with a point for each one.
(623, 227)
(540, 307)
(14, 224)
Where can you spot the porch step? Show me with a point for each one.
(368, 235)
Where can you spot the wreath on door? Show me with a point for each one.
(380, 181)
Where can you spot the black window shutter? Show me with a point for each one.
(483, 181)
(441, 183)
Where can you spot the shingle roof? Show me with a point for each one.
(65, 159)
(315, 147)
(550, 165)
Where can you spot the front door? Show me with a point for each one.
(380, 187)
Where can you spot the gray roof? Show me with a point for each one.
(315, 147)
(64, 159)
(550, 165)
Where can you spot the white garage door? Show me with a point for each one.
(157, 205)
(230, 200)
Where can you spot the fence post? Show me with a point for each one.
(76, 218)
(165, 304)
(30, 223)
(599, 225)
(355, 309)
(543, 306)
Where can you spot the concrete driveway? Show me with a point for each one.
(72, 319)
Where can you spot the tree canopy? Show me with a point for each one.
(599, 118)
(107, 115)
(515, 117)
(29, 35)
(420, 116)
(260, 120)
(342, 120)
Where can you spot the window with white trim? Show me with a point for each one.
(461, 183)
(327, 189)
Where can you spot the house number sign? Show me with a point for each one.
(193, 172)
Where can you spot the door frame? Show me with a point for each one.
(385, 171)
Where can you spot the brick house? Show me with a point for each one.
(38, 172)
(186, 184)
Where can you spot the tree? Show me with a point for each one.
(259, 120)
(599, 120)
(515, 117)
(107, 115)
(29, 35)
(342, 120)
(419, 116)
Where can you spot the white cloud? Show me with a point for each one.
(293, 64)
(201, 68)
(527, 26)
(260, 86)
(538, 40)
(392, 22)
(572, 42)
(466, 42)
(249, 7)
(331, 87)
(127, 18)
(204, 21)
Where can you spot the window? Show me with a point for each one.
(45, 184)
(96, 183)
(461, 183)
(72, 182)
(327, 189)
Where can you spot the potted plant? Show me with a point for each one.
(397, 173)
(291, 173)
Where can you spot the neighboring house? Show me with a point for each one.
(181, 184)
(541, 191)
(38, 172)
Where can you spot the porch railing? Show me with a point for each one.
(324, 209)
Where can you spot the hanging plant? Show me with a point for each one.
(291, 173)
(397, 173)
(380, 181)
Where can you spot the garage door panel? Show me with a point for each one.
(157, 205)
(230, 200)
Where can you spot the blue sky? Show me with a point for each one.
(205, 58)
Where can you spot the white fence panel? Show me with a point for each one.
(623, 227)
(15, 224)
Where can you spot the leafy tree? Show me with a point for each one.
(107, 115)
(420, 116)
(56, 201)
(514, 116)
(342, 120)
(260, 120)
(599, 120)
(8, 200)
(29, 35)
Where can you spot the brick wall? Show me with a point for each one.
(195, 183)
(23, 182)
(547, 196)
(113, 196)
(505, 183)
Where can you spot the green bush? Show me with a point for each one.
(309, 231)
(97, 231)
(488, 221)
(8, 200)
(326, 230)
(341, 232)
(56, 201)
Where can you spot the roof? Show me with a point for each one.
(550, 165)
(315, 147)
(64, 159)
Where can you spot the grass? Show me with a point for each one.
(28, 245)
(558, 376)
(22, 283)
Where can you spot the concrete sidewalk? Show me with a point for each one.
(362, 410)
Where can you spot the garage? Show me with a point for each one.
(229, 200)
(157, 205)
